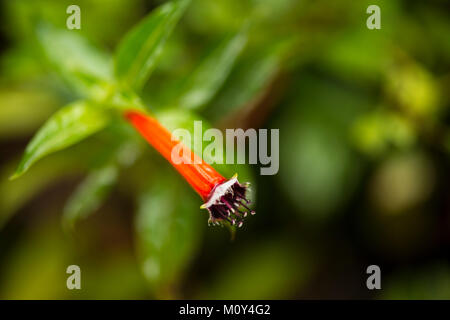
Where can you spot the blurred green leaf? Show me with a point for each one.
(124, 99)
(357, 55)
(248, 79)
(414, 88)
(438, 25)
(66, 127)
(375, 132)
(20, 103)
(320, 170)
(21, 17)
(15, 194)
(168, 230)
(265, 270)
(90, 194)
(117, 152)
(19, 64)
(45, 249)
(208, 76)
(99, 281)
(139, 50)
(218, 16)
(79, 63)
(431, 282)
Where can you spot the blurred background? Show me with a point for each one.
(364, 157)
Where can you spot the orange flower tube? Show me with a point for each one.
(224, 199)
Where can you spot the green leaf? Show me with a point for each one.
(117, 152)
(168, 230)
(66, 127)
(15, 194)
(139, 50)
(207, 78)
(90, 194)
(82, 65)
(246, 82)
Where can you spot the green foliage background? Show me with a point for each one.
(364, 148)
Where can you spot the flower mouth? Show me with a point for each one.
(227, 202)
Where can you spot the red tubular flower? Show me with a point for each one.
(224, 199)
